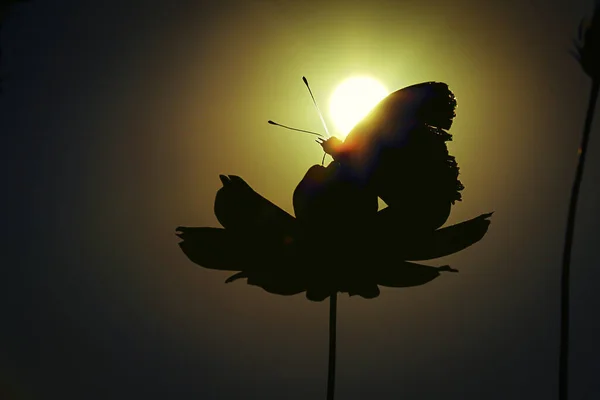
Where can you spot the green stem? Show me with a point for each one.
(332, 323)
(563, 373)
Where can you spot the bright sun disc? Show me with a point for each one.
(352, 100)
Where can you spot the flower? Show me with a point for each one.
(587, 44)
(339, 242)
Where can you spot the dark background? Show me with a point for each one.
(116, 118)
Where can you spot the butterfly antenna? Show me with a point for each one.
(295, 129)
(316, 106)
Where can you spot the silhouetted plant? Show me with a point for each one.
(587, 52)
(338, 241)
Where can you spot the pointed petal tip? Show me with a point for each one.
(236, 276)
(224, 179)
(180, 232)
(447, 268)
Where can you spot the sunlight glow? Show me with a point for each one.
(352, 100)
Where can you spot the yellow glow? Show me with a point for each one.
(352, 100)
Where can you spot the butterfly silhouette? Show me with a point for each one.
(398, 152)
(339, 241)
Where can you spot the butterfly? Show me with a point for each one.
(398, 153)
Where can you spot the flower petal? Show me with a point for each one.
(211, 248)
(405, 274)
(217, 248)
(239, 208)
(439, 243)
(277, 282)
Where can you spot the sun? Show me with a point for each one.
(352, 100)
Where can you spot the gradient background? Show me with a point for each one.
(117, 117)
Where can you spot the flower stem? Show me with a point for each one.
(566, 261)
(332, 323)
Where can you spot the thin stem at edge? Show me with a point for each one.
(563, 373)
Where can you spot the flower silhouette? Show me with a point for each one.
(286, 256)
(339, 241)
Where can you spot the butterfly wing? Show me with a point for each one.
(428, 103)
(399, 151)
